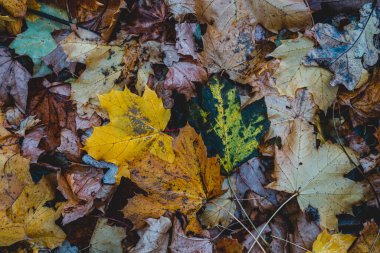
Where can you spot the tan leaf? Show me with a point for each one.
(283, 111)
(107, 238)
(292, 75)
(368, 240)
(316, 175)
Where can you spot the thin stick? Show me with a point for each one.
(292, 243)
(374, 242)
(270, 219)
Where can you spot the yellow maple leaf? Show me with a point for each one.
(183, 185)
(136, 125)
(336, 243)
(30, 219)
(316, 176)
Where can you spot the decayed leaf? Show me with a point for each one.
(136, 127)
(283, 111)
(180, 8)
(180, 243)
(182, 75)
(364, 102)
(80, 186)
(155, 237)
(228, 131)
(292, 74)
(30, 144)
(14, 169)
(36, 41)
(273, 14)
(107, 238)
(368, 240)
(50, 103)
(183, 185)
(14, 80)
(17, 8)
(185, 42)
(30, 219)
(104, 65)
(347, 53)
(327, 243)
(233, 51)
(304, 234)
(316, 175)
(218, 210)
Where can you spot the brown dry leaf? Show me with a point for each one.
(369, 239)
(185, 42)
(14, 80)
(80, 186)
(364, 102)
(228, 245)
(17, 8)
(180, 243)
(30, 144)
(183, 185)
(30, 219)
(273, 14)
(283, 111)
(304, 234)
(233, 51)
(70, 145)
(14, 169)
(148, 20)
(154, 238)
(182, 75)
(315, 176)
(50, 103)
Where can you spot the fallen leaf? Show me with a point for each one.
(180, 243)
(364, 102)
(283, 111)
(218, 210)
(292, 74)
(30, 219)
(80, 186)
(14, 169)
(316, 175)
(50, 103)
(185, 42)
(182, 75)
(348, 52)
(304, 234)
(36, 41)
(70, 145)
(104, 65)
(272, 14)
(368, 240)
(327, 243)
(155, 237)
(137, 125)
(183, 185)
(148, 20)
(30, 144)
(14, 80)
(180, 8)
(17, 8)
(228, 131)
(170, 54)
(106, 238)
(229, 245)
(233, 51)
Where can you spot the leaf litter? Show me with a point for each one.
(189, 126)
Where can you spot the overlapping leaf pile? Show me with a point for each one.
(189, 126)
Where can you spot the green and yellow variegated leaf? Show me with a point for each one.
(228, 131)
